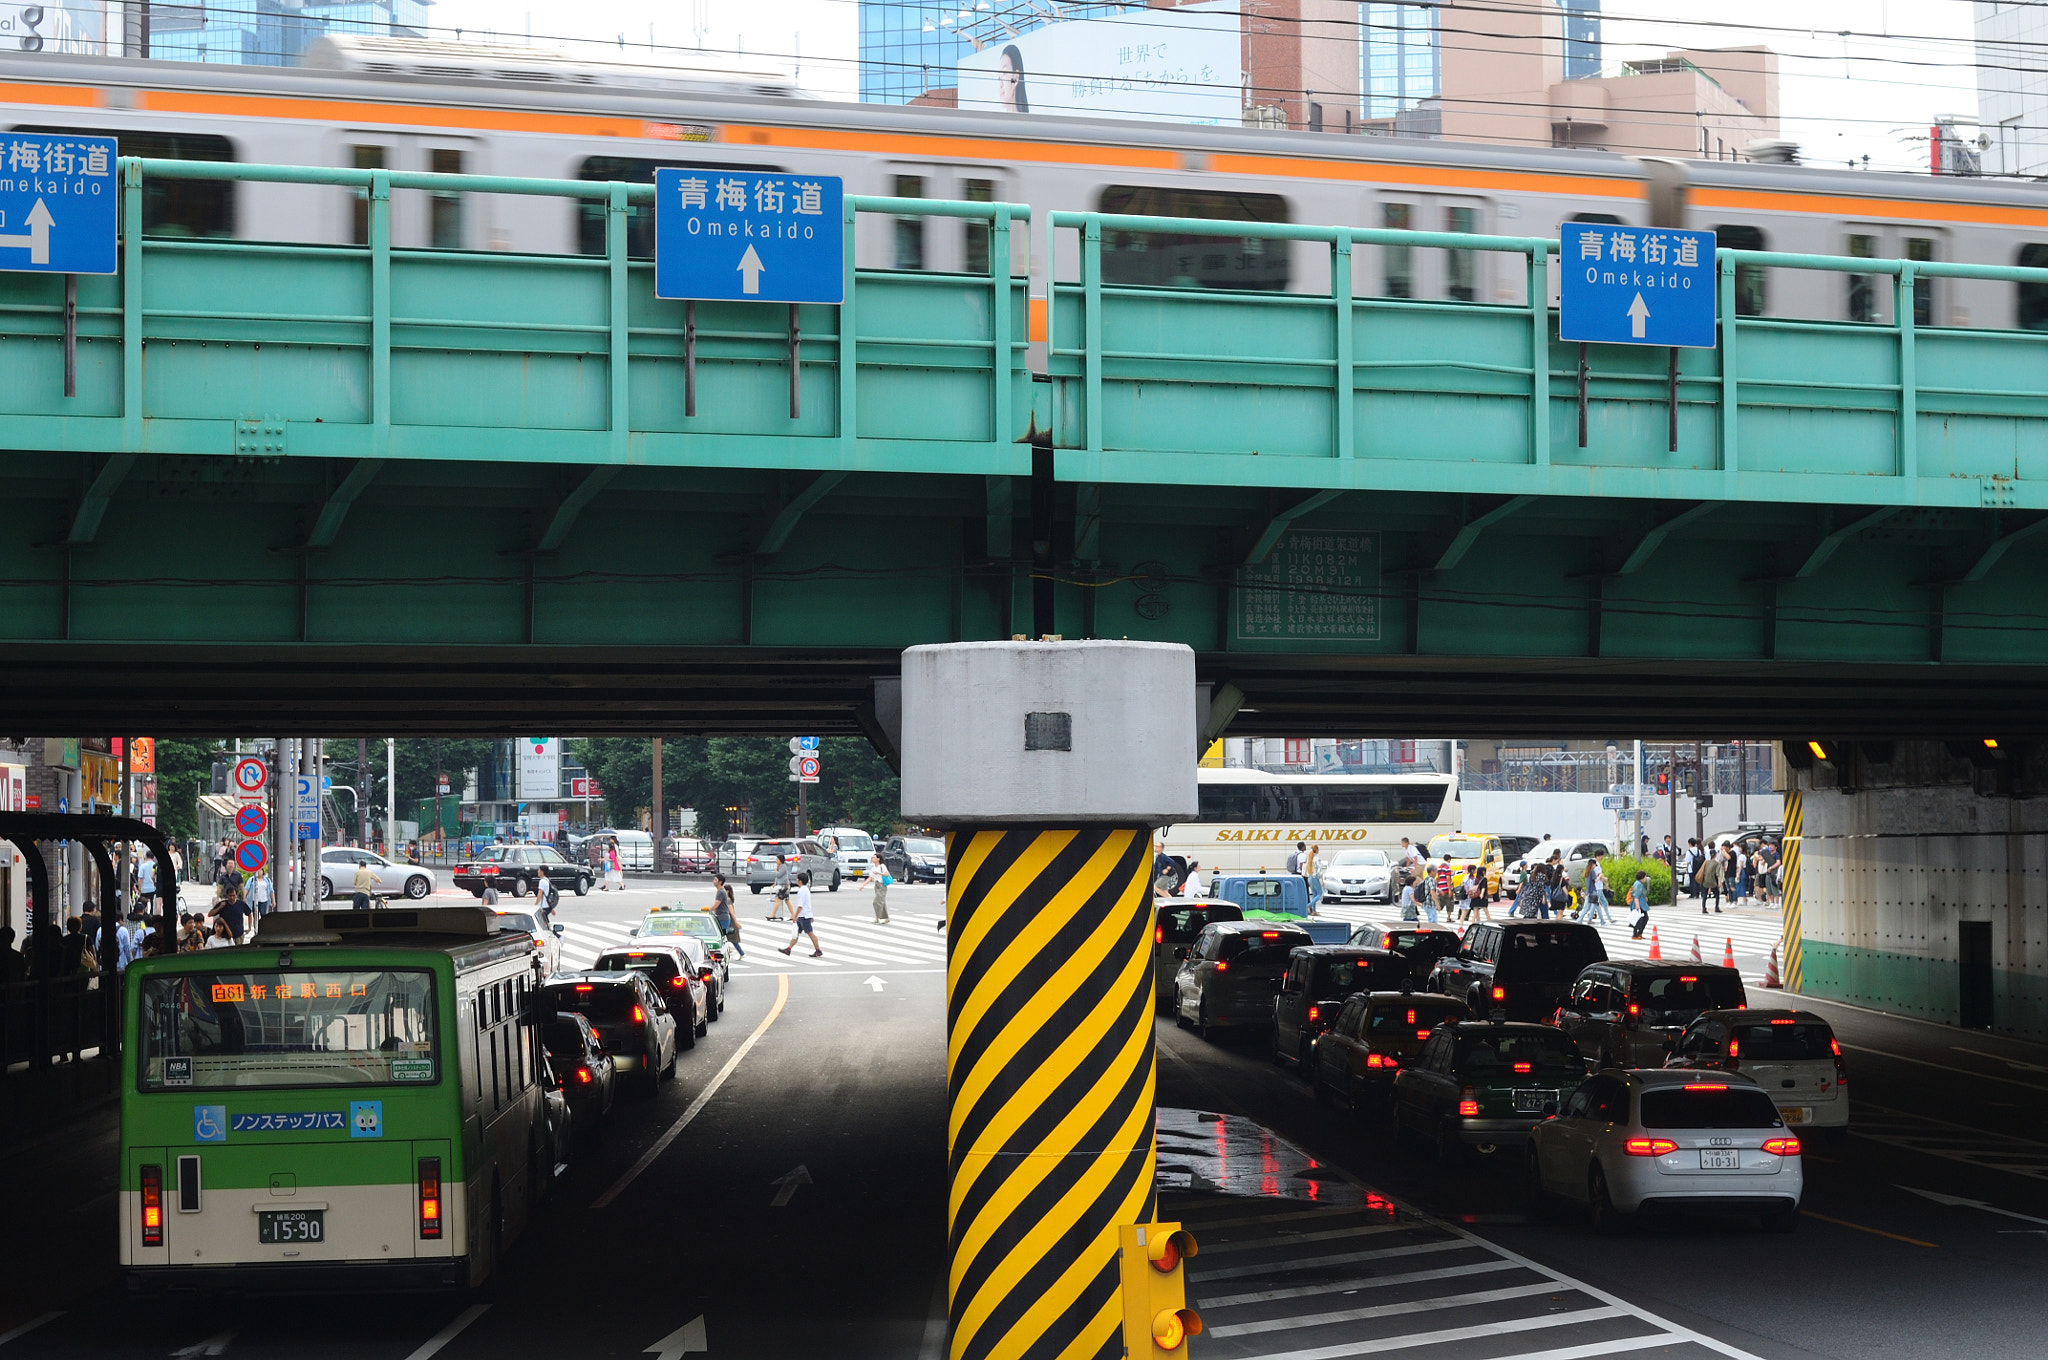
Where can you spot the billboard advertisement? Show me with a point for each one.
(1181, 65)
(77, 26)
(540, 767)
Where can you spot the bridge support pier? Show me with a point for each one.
(1049, 763)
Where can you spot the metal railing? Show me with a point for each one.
(41, 1021)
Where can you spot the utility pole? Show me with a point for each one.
(803, 808)
(1741, 783)
(1636, 810)
(659, 826)
(1671, 797)
(1702, 794)
(363, 792)
(391, 796)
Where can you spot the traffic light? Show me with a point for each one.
(1157, 1319)
(1663, 783)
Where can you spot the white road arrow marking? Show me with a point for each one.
(682, 1341)
(751, 270)
(37, 243)
(1957, 1201)
(1638, 313)
(876, 983)
(2014, 1063)
(786, 1184)
(213, 1345)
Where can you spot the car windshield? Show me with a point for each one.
(516, 920)
(1418, 1013)
(1342, 977)
(1505, 1051)
(1708, 1106)
(1378, 857)
(1456, 847)
(921, 846)
(1689, 993)
(598, 1000)
(1779, 1042)
(339, 1027)
(857, 840)
(653, 962)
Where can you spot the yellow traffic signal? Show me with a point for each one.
(1157, 1320)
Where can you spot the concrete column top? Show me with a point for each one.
(1049, 733)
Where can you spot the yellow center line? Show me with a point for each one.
(1874, 1232)
(703, 1097)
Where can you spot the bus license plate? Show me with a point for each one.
(1720, 1159)
(290, 1225)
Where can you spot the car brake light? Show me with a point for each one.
(152, 1206)
(1689, 979)
(430, 1197)
(1706, 1086)
(1782, 1147)
(1524, 1067)
(582, 986)
(1784, 1022)
(1379, 1060)
(1634, 1009)
(705, 975)
(1835, 1045)
(1422, 1034)
(583, 1075)
(1159, 934)
(1315, 1012)
(541, 940)
(1222, 967)
(639, 1016)
(1649, 1147)
(1734, 1060)
(1500, 994)
(1269, 934)
(677, 981)
(1467, 1104)
(1386, 942)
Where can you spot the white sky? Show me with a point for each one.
(1842, 97)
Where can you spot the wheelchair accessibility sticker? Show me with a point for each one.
(366, 1119)
(209, 1123)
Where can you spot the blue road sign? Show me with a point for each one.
(1635, 285)
(807, 743)
(59, 203)
(250, 820)
(250, 855)
(745, 236)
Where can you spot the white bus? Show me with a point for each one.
(1249, 819)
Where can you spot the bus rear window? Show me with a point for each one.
(223, 1031)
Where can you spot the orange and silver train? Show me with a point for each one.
(422, 105)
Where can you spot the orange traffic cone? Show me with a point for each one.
(1656, 949)
(1771, 970)
(1696, 950)
(1728, 954)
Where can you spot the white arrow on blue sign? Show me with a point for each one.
(59, 203)
(1620, 285)
(748, 236)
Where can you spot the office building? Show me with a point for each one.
(2012, 89)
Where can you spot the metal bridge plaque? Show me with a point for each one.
(1313, 587)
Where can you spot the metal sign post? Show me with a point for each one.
(1620, 285)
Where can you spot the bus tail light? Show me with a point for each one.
(430, 1198)
(152, 1206)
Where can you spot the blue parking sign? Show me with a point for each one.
(1620, 285)
(748, 236)
(59, 203)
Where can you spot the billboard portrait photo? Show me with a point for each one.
(1181, 65)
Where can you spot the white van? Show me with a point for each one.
(852, 848)
(636, 849)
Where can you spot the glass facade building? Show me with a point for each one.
(1581, 38)
(1399, 63)
(273, 32)
(910, 47)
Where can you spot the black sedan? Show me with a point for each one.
(631, 1019)
(588, 1076)
(915, 859)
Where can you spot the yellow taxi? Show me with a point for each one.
(1461, 850)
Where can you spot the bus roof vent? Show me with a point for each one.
(330, 927)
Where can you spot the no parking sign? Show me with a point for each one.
(251, 856)
(250, 820)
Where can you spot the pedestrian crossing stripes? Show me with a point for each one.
(908, 940)
(1299, 1262)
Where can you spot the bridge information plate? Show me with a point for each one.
(1313, 587)
(59, 201)
(1622, 285)
(746, 236)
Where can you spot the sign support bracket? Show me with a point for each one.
(796, 351)
(1673, 399)
(71, 335)
(1582, 394)
(690, 358)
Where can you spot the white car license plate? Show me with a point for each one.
(1720, 1159)
(1531, 1102)
(1798, 1114)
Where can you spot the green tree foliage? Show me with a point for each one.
(184, 770)
(714, 773)
(418, 760)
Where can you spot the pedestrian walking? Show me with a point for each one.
(614, 872)
(878, 880)
(363, 888)
(1312, 868)
(1411, 905)
(782, 886)
(261, 891)
(1710, 883)
(1297, 859)
(1192, 885)
(722, 912)
(129, 939)
(223, 936)
(801, 896)
(191, 932)
(1478, 901)
(1594, 908)
(1639, 902)
(145, 881)
(1532, 899)
(233, 910)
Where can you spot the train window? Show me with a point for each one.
(2034, 296)
(1921, 248)
(590, 212)
(1186, 260)
(1459, 267)
(1862, 295)
(1397, 263)
(1750, 298)
(363, 158)
(444, 208)
(1601, 219)
(173, 207)
(977, 191)
(909, 230)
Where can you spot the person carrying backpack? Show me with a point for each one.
(1639, 902)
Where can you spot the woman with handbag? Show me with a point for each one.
(879, 877)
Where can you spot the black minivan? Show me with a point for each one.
(1319, 980)
(1524, 969)
(1175, 924)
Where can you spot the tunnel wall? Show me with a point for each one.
(1888, 877)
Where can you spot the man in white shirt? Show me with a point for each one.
(800, 895)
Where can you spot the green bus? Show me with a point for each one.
(355, 1100)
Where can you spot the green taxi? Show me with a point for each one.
(694, 922)
(1483, 1085)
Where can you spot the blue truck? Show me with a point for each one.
(1279, 897)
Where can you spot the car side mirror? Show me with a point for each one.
(557, 929)
(1276, 984)
(1181, 952)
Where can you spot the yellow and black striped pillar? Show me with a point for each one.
(1794, 950)
(1050, 1084)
